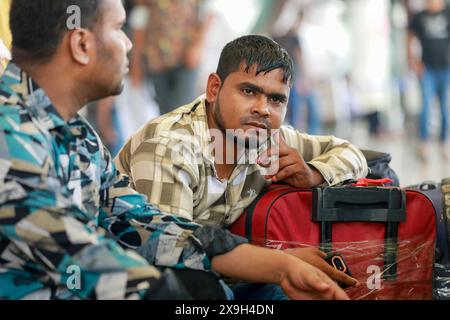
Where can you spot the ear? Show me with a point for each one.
(81, 45)
(213, 87)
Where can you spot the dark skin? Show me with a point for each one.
(94, 63)
(293, 169)
(244, 100)
(316, 258)
(258, 102)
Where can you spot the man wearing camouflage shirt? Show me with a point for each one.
(63, 205)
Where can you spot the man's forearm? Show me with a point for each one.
(252, 263)
(162, 239)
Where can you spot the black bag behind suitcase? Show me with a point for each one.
(434, 191)
(379, 168)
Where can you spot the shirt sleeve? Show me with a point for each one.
(48, 233)
(164, 169)
(336, 159)
(162, 238)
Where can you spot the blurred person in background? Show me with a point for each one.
(432, 28)
(370, 53)
(168, 37)
(105, 117)
(302, 93)
(116, 118)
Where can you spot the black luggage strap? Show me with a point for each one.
(361, 204)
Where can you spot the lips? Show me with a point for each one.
(257, 125)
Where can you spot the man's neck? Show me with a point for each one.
(62, 93)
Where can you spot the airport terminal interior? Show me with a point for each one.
(354, 78)
(361, 73)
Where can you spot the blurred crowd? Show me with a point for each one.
(361, 66)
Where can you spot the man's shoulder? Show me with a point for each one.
(12, 89)
(182, 123)
(288, 130)
(173, 138)
(19, 129)
(13, 113)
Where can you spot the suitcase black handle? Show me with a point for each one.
(361, 204)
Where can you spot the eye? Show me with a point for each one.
(247, 91)
(277, 100)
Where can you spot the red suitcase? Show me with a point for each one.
(386, 235)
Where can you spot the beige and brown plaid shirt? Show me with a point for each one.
(169, 159)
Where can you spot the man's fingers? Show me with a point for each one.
(311, 284)
(340, 276)
(264, 160)
(278, 148)
(303, 292)
(339, 294)
(285, 173)
(286, 162)
(320, 253)
(319, 285)
(282, 163)
(328, 290)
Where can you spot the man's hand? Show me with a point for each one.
(316, 258)
(298, 279)
(304, 282)
(292, 169)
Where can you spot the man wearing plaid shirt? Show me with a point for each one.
(177, 162)
(199, 162)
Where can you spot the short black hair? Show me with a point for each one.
(255, 50)
(38, 26)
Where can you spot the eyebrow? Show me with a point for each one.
(279, 95)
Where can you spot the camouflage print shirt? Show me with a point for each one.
(64, 207)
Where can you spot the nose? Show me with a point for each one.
(261, 107)
(128, 43)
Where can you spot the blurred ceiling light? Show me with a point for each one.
(240, 15)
